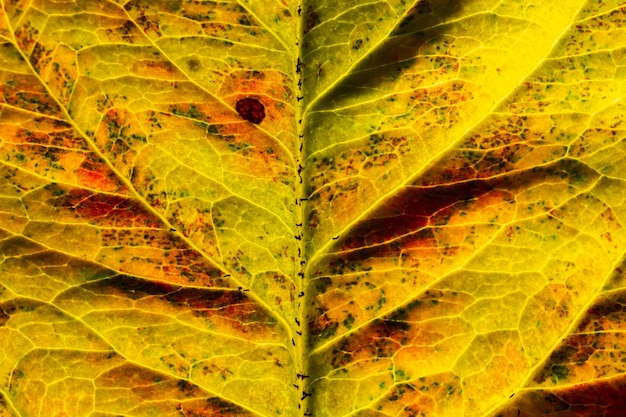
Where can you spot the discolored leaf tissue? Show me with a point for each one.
(323, 208)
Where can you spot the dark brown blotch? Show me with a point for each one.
(193, 64)
(251, 109)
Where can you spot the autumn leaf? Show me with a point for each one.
(329, 209)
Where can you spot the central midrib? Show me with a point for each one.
(301, 341)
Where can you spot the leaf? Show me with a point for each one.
(328, 208)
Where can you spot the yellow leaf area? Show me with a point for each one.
(146, 227)
(328, 208)
(466, 210)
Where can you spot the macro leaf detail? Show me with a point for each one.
(321, 209)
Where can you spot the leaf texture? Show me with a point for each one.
(329, 209)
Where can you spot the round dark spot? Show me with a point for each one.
(251, 109)
(193, 64)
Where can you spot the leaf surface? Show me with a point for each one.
(320, 208)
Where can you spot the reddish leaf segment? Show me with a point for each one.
(412, 209)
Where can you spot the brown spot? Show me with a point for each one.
(312, 19)
(193, 64)
(251, 109)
